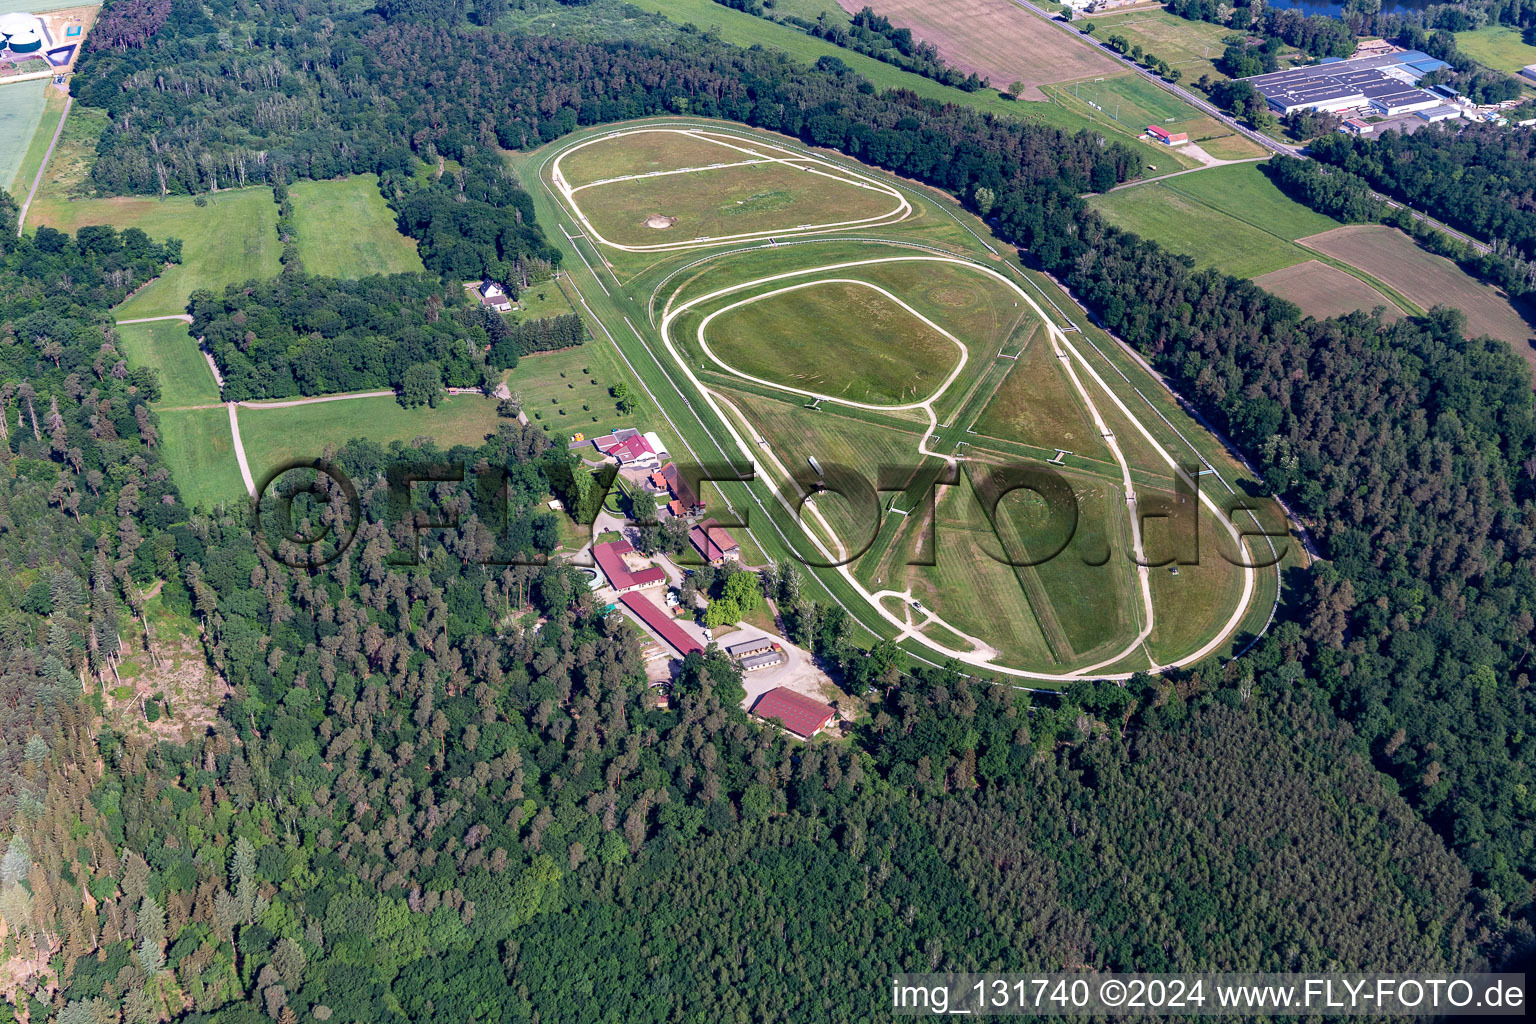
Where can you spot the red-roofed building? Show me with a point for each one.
(629, 446)
(662, 624)
(676, 508)
(798, 713)
(610, 559)
(713, 543)
(677, 485)
(1166, 137)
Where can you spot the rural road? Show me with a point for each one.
(22, 218)
(245, 467)
(1206, 107)
(183, 317)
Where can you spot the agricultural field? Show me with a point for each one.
(996, 39)
(230, 239)
(1429, 280)
(1499, 46)
(1232, 218)
(1323, 291)
(1128, 103)
(345, 229)
(25, 126)
(663, 189)
(165, 345)
(841, 350)
(1190, 46)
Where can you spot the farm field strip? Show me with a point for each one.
(1428, 280)
(996, 39)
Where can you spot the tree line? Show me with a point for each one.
(297, 334)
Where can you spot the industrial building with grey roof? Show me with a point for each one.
(1387, 83)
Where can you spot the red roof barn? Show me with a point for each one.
(799, 714)
(662, 624)
(610, 559)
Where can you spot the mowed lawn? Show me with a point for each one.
(726, 202)
(233, 238)
(1498, 46)
(838, 338)
(1231, 218)
(165, 345)
(1429, 280)
(21, 112)
(277, 435)
(652, 150)
(345, 229)
(1038, 405)
(197, 446)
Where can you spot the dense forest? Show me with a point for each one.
(303, 335)
(438, 788)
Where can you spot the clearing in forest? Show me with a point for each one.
(165, 345)
(345, 229)
(232, 237)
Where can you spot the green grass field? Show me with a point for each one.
(345, 229)
(197, 446)
(1037, 405)
(837, 338)
(1498, 46)
(273, 436)
(568, 392)
(165, 345)
(21, 115)
(726, 202)
(233, 238)
(648, 152)
(1232, 218)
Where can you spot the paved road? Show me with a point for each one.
(1206, 107)
(22, 219)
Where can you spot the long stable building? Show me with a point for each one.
(663, 625)
(1386, 83)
